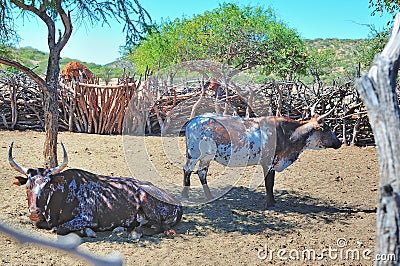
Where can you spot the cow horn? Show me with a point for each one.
(64, 164)
(13, 164)
(313, 107)
(328, 113)
(321, 117)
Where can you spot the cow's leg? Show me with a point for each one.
(187, 171)
(202, 172)
(148, 230)
(76, 224)
(269, 178)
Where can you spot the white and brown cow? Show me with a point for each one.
(78, 201)
(272, 142)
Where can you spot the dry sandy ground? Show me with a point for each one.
(326, 204)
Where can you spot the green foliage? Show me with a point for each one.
(333, 59)
(380, 6)
(242, 37)
(338, 59)
(320, 60)
(372, 46)
(6, 51)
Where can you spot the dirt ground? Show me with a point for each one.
(325, 213)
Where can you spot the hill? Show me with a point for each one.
(341, 66)
(344, 63)
(37, 60)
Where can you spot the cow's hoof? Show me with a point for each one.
(207, 192)
(270, 203)
(90, 233)
(135, 235)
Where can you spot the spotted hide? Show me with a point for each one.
(272, 142)
(78, 201)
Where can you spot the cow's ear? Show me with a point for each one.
(20, 180)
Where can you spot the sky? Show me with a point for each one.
(343, 19)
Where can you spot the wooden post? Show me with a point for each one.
(71, 115)
(356, 130)
(344, 141)
(13, 100)
(378, 91)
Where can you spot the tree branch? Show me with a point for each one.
(66, 19)
(43, 16)
(27, 71)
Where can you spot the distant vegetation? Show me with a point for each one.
(244, 37)
(251, 38)
(344, 59)
(37, 60)
(344, 56)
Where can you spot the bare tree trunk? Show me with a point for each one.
(378, 91)
(51, 108)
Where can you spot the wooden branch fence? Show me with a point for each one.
(151, 106)
(94, 108)
(88, 108)
(21, 102)
(287, 98)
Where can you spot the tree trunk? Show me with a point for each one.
(51, 109)
(378, 91)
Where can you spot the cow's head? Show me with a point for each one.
(316, 133)
(321, 136)
(35, 180)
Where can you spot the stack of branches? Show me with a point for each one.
(21, 102)
(83, 107)
(348, 120)
(95, 108)
(154, 106)
(292, 99)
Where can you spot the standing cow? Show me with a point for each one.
(78, 201)
(272, 142)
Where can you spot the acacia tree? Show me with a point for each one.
(68, 12)
(241, 37)
(379, 6)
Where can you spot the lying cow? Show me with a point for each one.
(272, 142)
(78, 201)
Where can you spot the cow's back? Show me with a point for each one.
(229, 140)
(106, 202)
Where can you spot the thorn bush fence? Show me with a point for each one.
(100, 109)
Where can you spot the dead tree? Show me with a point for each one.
(378, 91)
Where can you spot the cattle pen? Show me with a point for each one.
(152, 104)
(318, 194)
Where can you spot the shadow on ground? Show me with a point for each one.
(243, 211)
